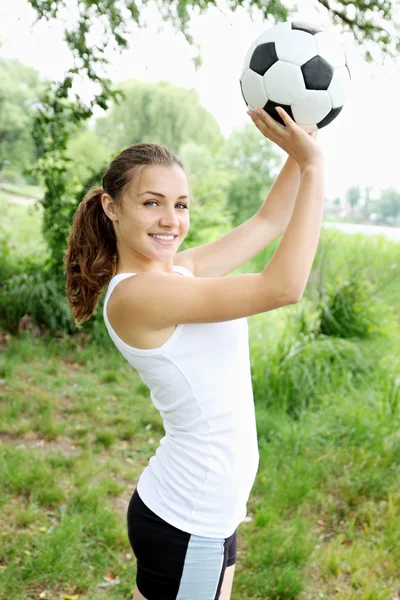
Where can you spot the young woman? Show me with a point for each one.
(182, 324)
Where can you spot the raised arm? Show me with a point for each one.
(294, 256)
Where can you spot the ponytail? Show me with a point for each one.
(90, 257)
(90, 260)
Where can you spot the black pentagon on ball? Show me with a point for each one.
(317, 73)
(329, 117)
(313, 29)
(270, 109)
(263, 57)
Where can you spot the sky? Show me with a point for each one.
(360, 145)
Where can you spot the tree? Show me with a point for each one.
(20, 89)
(389, 203)
(157, 112)
(367, 200)
(210, 216)
(353, 196)
(253, 162)
(87, 153)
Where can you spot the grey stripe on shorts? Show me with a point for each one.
(201, 583)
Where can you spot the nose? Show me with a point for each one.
(169, 217)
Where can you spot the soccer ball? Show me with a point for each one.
(300, 67)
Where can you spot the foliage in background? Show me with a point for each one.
(157, 112)
(253, 163)
(87, 153)
(371, 262)
(210, 218)
(389, 203)
(22, 246)
(35, 293)
(20, 90)
(301, 368)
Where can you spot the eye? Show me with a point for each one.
(154, 201)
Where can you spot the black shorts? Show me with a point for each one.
(173, 564)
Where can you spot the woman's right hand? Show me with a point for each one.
(299, 144)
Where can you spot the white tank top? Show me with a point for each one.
(200, 477)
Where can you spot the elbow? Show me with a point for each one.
(295, 297)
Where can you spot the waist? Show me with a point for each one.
(191, 457)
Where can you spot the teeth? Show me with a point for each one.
(163, 237)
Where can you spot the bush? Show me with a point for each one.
(5, 254)
(302, 368)
(350, 285)
(349, 309)
(35, 294)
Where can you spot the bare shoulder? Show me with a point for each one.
(129, 325)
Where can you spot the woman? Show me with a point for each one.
(187, 336)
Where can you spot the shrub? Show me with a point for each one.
(349, 309)
(35, 294)
(302, 368)
(350, 285)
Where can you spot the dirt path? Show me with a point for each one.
(20, 199)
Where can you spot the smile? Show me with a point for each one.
(165, 241)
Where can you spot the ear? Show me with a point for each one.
(109, 206)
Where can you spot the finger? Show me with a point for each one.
(267, 118)
(270, 121)
(285, 116)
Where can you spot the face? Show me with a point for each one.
(156, 201)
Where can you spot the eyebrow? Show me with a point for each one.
(160, 195)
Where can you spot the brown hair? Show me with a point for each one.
(91, 256)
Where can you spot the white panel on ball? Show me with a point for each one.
(330, 48)
(311, 107)
(255, 92)
(271, 35)
(284, 83)
(247, 58)
(339, 87)
(295, 46)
